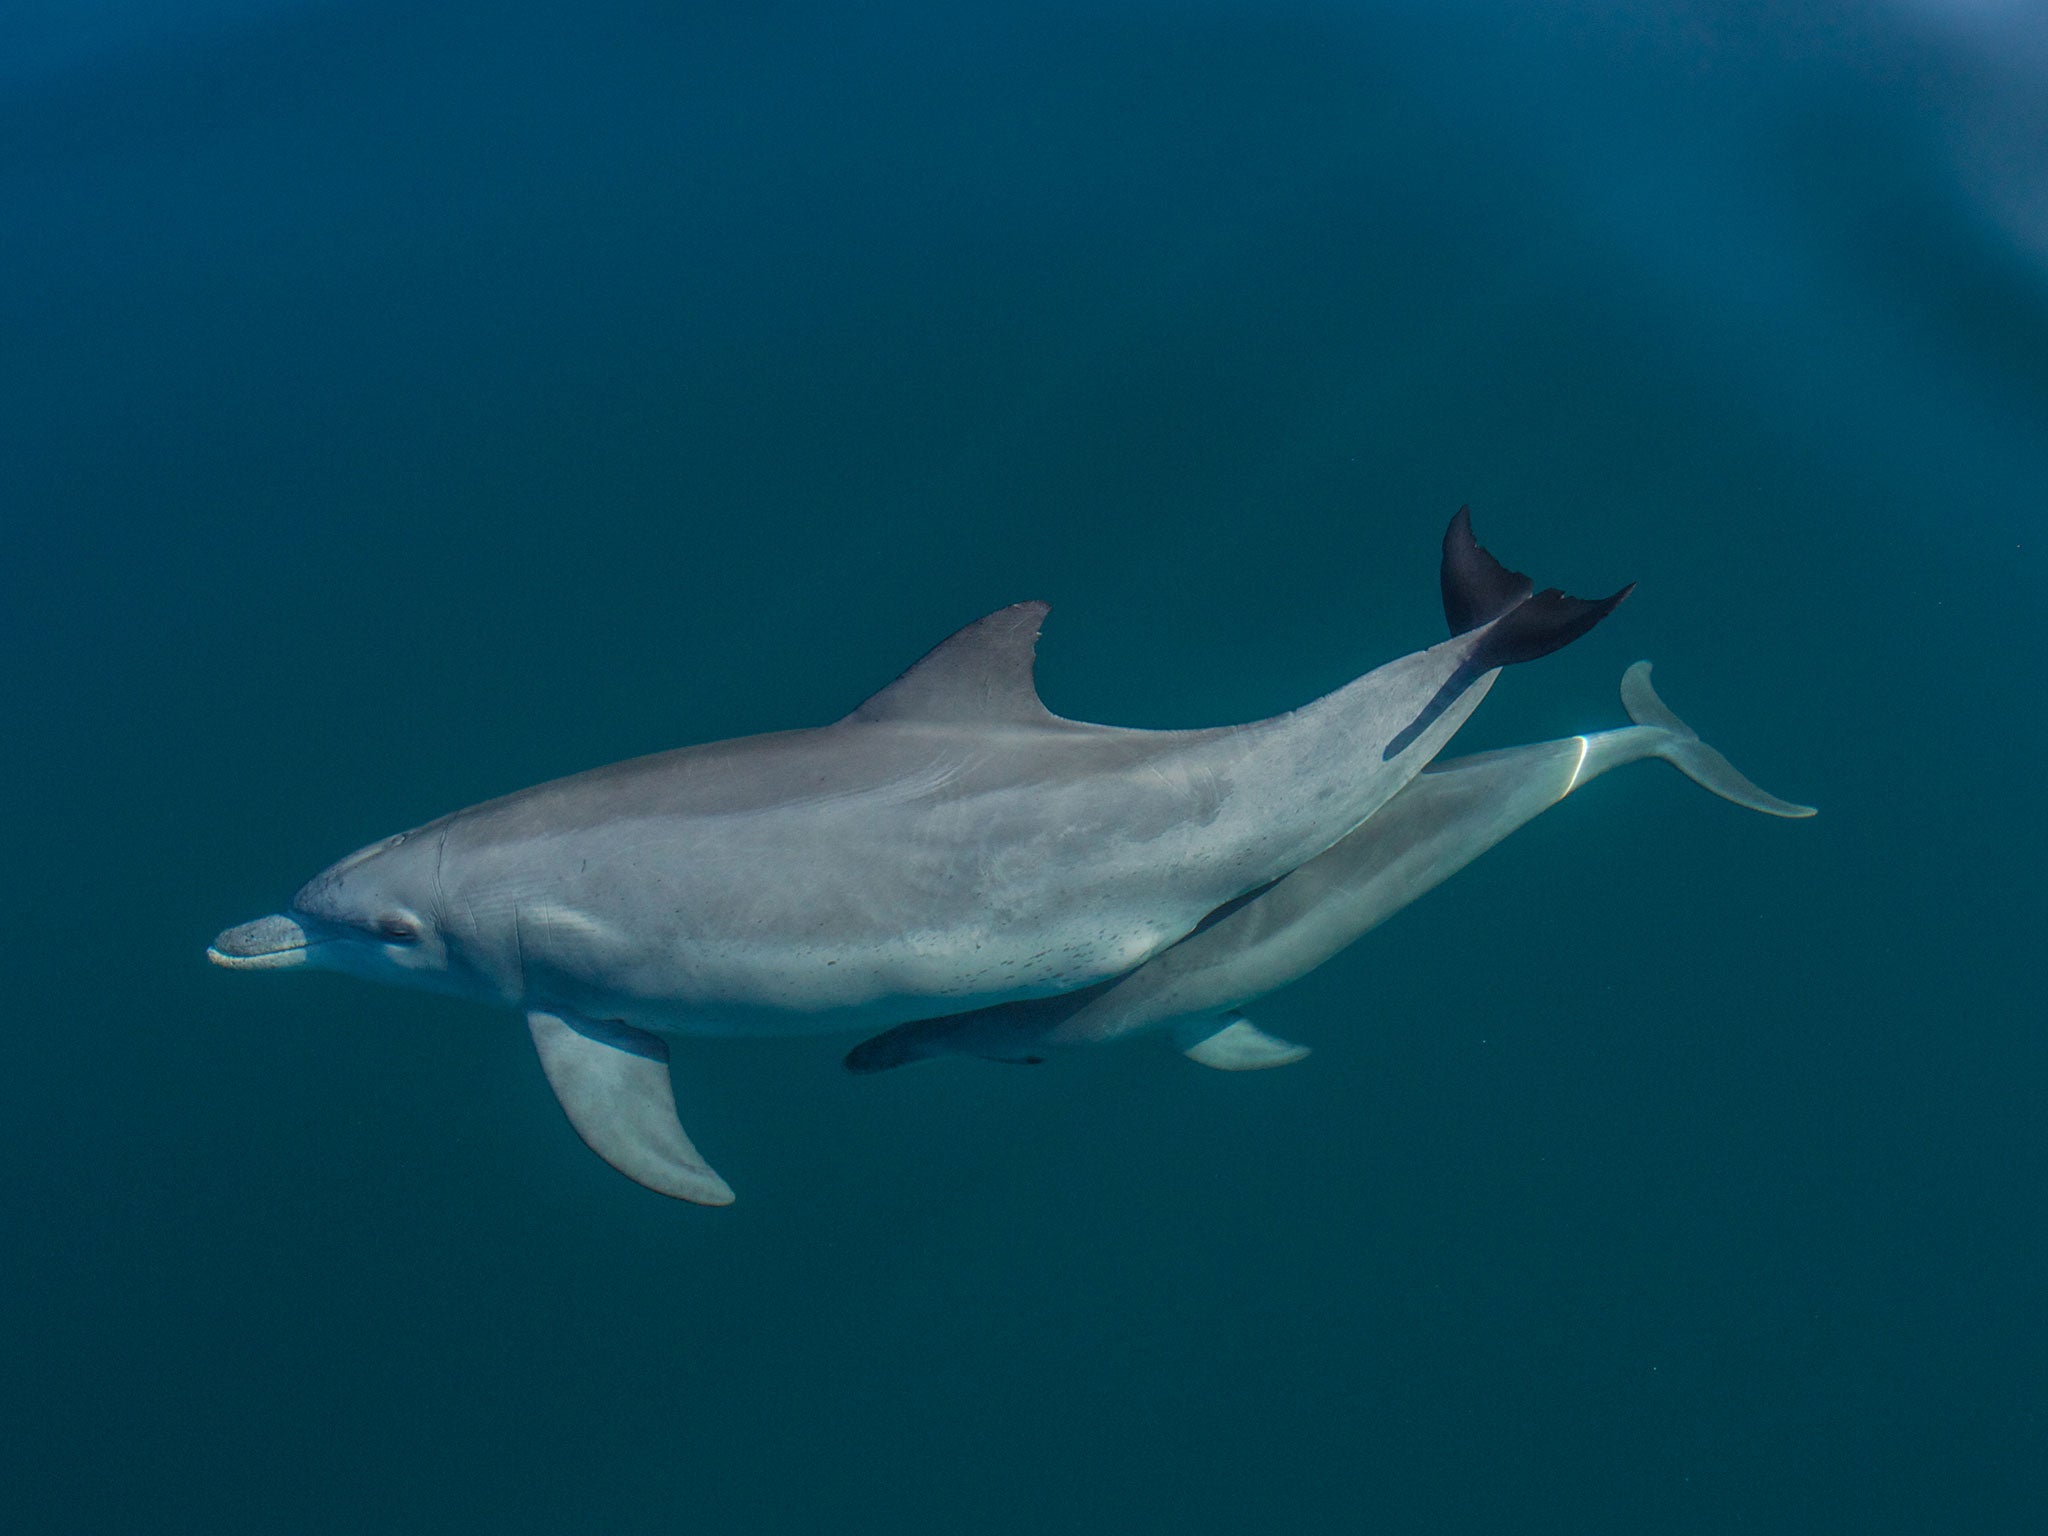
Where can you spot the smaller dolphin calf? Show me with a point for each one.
(1440, 822)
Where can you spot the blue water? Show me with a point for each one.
(403, 404)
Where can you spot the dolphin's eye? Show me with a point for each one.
(396, 930)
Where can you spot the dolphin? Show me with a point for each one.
(949, 845)
(1446, 817)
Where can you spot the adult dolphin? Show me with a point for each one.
(1444, 818)
(949, 845)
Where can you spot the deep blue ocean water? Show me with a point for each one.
(400, 404)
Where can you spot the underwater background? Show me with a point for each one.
(402, 404)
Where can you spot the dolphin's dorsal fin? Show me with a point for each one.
(612, 1081)
(981, 673)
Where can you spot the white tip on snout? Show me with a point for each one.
(268, 944)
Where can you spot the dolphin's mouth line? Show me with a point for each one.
(268, 960)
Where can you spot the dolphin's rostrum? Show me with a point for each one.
(951, 845)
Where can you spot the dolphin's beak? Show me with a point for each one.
(268, 944)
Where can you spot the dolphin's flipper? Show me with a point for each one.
(1682, 748)
(613, 1084)
(893, 1048)
(1238, 1045)
(1478, 590)
(1006, 1032)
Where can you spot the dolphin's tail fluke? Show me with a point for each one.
(1480, 592)
(1682, 748)
(1478, 589)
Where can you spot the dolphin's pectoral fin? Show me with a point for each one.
(900, 1046)
(987, 1032)
(1230, 1042)
(612, 1081)
(1016, 1032)
(983, 673)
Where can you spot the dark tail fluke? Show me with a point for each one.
(1535, 627)
(1477, 587)
(1479, 590)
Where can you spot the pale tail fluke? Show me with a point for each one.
(1683, 749)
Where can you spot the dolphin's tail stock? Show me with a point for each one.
(1525, 624)
(1679, 745)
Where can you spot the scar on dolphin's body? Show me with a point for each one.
(949, 846)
